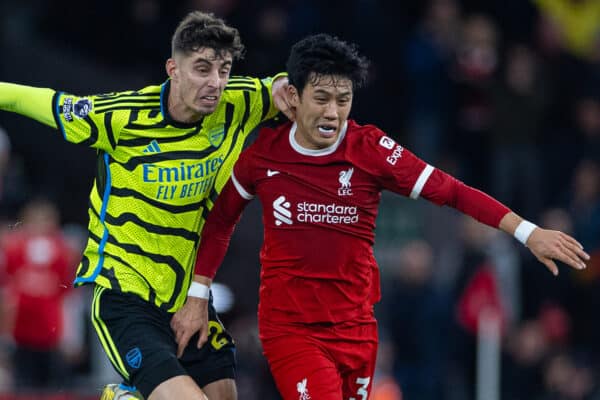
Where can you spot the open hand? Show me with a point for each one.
(548, 245)
(189, 319)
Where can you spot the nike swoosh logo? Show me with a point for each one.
(271, 172)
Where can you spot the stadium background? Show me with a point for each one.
(503, 94)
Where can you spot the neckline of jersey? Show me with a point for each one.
(316, 152)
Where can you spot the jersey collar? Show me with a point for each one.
(316, 152)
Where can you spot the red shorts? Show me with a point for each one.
(323, 363)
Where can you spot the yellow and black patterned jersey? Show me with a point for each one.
(156, 181)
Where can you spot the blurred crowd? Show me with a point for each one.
(503, 94)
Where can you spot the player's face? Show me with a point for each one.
(198, 80)
(322, 110)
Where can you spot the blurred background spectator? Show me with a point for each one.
(504, 94)
(38, 269)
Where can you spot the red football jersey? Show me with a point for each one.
(319, 211)
(39, 275)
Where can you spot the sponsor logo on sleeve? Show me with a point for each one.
(397, 153)
(82, 108)
(67, 109)
(387, 142)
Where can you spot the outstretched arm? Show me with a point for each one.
(546, 245)
(219, 226)
(29, 101)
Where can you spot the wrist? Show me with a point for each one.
(199, 290)
(524, 230)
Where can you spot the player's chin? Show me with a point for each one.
(205, 110)
(322, 142)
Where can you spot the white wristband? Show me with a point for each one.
(199, 290)
(523, 231)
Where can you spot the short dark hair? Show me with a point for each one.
(198, 30)
(323, 54)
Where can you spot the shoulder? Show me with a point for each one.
(147, 97)
(269, 135)
(367, 136)
(372, 148)
(271, 141)
(148, 91)
(239, 87)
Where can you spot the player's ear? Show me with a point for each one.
(293, 95)
(171, 67)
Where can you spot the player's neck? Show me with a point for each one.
(181, 113)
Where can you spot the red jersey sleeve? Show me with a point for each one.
(393, 166)
(400, 171)
(223, 217)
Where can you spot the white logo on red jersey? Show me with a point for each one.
(271, 172)
(344, 179)
(281, 211)
(313, 213)
(302, 388)
(393, 158)
(387, 142)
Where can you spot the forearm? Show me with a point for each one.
(205, 280)
(217, 231)
(444, 189)
(32, 102)
(213, 248)
(510, 222)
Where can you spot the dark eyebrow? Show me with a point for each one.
(201, 60)
(325, 92)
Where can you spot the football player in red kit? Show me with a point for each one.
(319, 180)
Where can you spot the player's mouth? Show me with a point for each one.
(327, 131)
(209, 100)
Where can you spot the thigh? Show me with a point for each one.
(302, 368)
(356, 351)
(215, 361)
(137, 338)
(357, 378)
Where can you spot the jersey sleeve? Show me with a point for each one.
(94, 121)
(32, 102)
(394, 167)
(242, 176)
(221, 221)
(399, 170)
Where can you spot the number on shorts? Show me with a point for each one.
(214, 330)
(362, 391)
